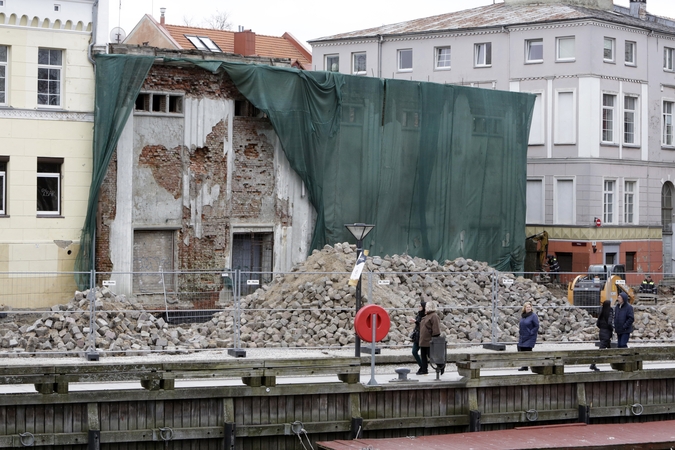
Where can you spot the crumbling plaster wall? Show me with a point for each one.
(205, 174)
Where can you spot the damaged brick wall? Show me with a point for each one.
(253, 198)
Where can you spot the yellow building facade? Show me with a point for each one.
(46, 133)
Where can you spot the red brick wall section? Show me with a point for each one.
(165, 165)
(107, 209)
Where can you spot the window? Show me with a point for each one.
(3, 184)
(483, 54)
(159, 103)
(563, 195)
(3, 74)
(405, 60)
(629, 119)
(49, 186)
(629, 201)
(608, 104)
(565, 49)
(667, 125)
(565, 126)
(443, 58)
(608, 50)
(629, 53)
(203, 43)
(534, 50)
(49, 77)
(667, 207)
(332, 63)
(668, 54)
(608, 201)
(244, 108)
(538, 120)
(359, 63)
(534, 212)
(630, 261)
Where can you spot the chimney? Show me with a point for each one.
(244, 42)
(161, 17)
(638, 8)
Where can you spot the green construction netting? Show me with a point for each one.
(439, 169)
(118, 81)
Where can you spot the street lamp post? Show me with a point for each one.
(359, 231)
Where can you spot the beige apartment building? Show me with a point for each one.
(46, 132)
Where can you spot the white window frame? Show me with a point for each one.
(50, 175)
(608, 134)
(3, 186)
(355, 56)
(50, 68)
(558, 135)
(632, 54)
(400, 58)
(328, 65)
(556, 200)
(541, 200)
(668, 59)
(203, 43)
(558, 41)
(667, 138)
(529, 45)
(482, 54)
(538, 126)
(4, 67)
(609, 201)
(612, 49)
(631, 116)
(630, 201)
(437, 58)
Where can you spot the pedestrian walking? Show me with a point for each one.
(415, 335)
(430, 326)
(605, 324)
(623, 320)
(529, 328)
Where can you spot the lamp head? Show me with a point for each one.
(359, 230)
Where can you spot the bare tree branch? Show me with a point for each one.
(219, 21)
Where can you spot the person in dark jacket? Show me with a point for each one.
(554, 268)
(415, 336)
(623, 320)
(529, 328)
(605, 323)
(647, 286)
(430, 326)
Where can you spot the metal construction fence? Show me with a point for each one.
(183, 312)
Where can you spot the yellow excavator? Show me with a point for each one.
(603, 282)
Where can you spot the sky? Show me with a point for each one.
(307, 19)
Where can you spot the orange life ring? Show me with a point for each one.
(363, 323)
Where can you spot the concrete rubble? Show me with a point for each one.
(313, 307)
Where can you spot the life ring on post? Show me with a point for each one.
(363, 323)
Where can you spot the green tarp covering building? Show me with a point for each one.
(439, 169)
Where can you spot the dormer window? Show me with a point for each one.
(203, 43)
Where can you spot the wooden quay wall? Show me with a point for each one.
(260, 409)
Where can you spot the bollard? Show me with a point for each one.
(438, 354)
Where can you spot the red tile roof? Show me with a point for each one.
(265, 46)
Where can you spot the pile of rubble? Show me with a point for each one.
(314, 307)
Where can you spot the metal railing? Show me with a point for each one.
(190, 311)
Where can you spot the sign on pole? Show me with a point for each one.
(358, 268)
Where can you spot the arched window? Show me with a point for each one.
(667, 207)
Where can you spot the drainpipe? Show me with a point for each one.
(94, 21)
(379, 55)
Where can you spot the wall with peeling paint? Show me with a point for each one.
(202, 174)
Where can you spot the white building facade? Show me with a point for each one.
(46, 132)
(601, 149)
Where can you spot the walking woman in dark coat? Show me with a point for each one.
(623, 320)
(415, 336)
(529, 328)
(605, 323)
